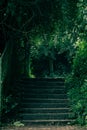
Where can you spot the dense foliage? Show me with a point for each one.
(76, 82)
(56, 23)
(49, 53)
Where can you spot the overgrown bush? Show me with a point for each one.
(76, 84)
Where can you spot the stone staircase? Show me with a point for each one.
(44, 101)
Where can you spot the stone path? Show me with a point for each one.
(46, 128)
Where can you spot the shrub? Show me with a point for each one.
(76, 84)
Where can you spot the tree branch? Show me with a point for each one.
(28, 3)
(28, 21)
(16, 30)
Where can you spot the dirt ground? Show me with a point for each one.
(45, 128)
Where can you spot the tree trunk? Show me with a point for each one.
(27, 60)
(29, 66)
(51, 67)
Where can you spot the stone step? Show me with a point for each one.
(45, 110)
(42, 91)
(50, 88)
(57, 96)
(45, 100)
(48, 122)
(45, 116)
(59, 79)
(44, 105)
(47, 86)
(43, 83)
